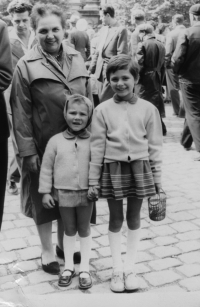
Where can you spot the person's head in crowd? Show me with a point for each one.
(73, 20)
(177, 20)
(145, 30)
(20, 11)
(137, 16)
(107, 15)
(152, 23)
(48, 22)
(161, 28)
(194, 13)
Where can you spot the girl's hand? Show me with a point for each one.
(158, 186)
(48, 201)
(93, 193)
(32, 163)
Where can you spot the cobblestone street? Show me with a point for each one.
(168, 259)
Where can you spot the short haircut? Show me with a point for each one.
(107, 9)
(41, 10)
(122, 61)
(178, 18)
(138, 14)
(19, 6)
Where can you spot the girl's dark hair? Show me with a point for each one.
(41, 10)
(122, 61)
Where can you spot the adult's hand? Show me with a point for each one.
(32, 163)
(158, 187)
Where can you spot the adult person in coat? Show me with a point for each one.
(43, 78)
(21, 40)
(151, 58)
(113, 40)
(137, 18)
(5, 80)
(186, 63)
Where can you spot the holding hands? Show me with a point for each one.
(93, 193)
(48, 201)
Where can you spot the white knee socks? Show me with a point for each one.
(133, 238)
(69, 246)
(85, 247)
(115, 246)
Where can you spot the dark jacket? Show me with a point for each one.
(151, 58)
(5, 78)
(81, 42)
(186, 58)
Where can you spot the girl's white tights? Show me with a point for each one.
(133, 238)
(85, 247)
(115, 246)
(69, 246)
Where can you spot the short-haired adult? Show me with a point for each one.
(151, 58)
(113, 40)
(137, 18)
(5, 80)
(186, 63)
(21, 38)
(42, 79)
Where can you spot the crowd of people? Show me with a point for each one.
(84, 112)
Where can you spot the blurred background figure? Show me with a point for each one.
(137, 18)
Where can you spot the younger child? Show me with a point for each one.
(65, 166)
(126, 149)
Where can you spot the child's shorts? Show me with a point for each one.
(70, 198)
(124, 179)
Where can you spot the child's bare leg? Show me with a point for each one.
(133, 233)
(114, 234)
(70, 227)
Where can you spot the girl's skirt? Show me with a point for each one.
(123, 179)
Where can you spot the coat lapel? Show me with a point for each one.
(16, 48)
(111, 34)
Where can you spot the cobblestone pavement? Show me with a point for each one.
(169, 252)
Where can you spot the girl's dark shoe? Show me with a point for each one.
(85, 282)
(60, 254)
(65, 281)
(51, 268)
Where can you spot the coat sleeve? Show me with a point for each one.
(98, 146)
(21, 105)
(155, 140)
(88, 48)
(6, 71)
(140, 56)
(47, 167)
(122, 43)
(169, 50)
(178, 56)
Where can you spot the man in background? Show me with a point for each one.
(137, 18)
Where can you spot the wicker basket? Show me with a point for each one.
(157, 206)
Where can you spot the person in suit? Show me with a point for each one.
(137, 18)
(5, 80)
(185, 62)
(21, 40)
(113, 40)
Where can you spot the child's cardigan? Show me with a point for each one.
(125, 131)
(65, 163)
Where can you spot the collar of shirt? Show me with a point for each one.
(13, 34)
(118, 99)
(69, 135)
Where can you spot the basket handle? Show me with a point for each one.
(161, 190)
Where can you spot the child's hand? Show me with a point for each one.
(158, 186)
(93, 193)
(48, 201)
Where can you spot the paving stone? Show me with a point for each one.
(7, 225)
(145, 244)
(35, 240)
(143, 256)
(167, 289)
(177, 200)
(161, 278)
(184, 226)
(100, 288)
(39, 289)
(7, 257)
(95, 245)
(102, 229)
(104, 275)
(10, 245)
(142, 283)
(102, 211)
(189, 270)
(103, 240)
(181, 216)
(17, 233)
(196, 222)
(144, 223)
(190, 235)
(102, 264)
(190, 258)
(191, 284)
(22, 281)
(163, 230)
(24, 223)
(160, 223)
(9, 217)
(2, 236)
(105, 251)
(165, 240)
(40, 276)
(21, 216)
(189, 246)
(141, 268)
(196, 212)
(24, 266)
(33, 229)
(94, 233)
(14, 208)
(3, 271)
(100, 220)
(9, 285)
(165, 252)
(7, 282)
(147, 234)
(163, 264)
(30, 253)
